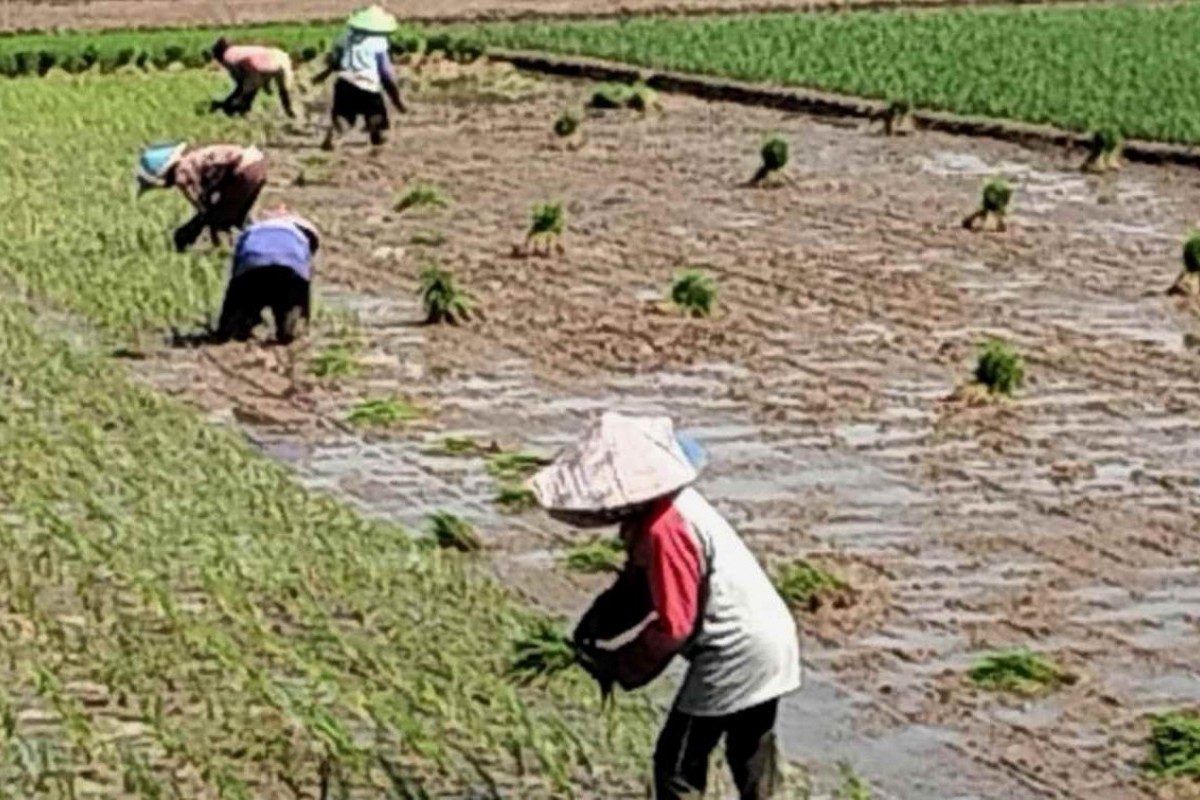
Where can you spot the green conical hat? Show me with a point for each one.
(372, 20)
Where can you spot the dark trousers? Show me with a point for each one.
(277, 288)
(686, 743)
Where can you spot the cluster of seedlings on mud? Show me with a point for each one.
(461, 446)
(452, 532)
(898, 119)
(316, 169)
(441, 298)
(1175, 745)
(694, 294)
(1104, 151)
(515, 499)
(547, 224)
(597, 555)
(1188, 282)
(384, 412)
(804, 585)
(568, 127)
(774, 156)
(1019, 672)
(1000, 369)
(422, 195)
(338, 360)
(636, 96)
(851, 786)
(993, 206)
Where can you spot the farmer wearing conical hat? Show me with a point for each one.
(698, 591)
(253, 68)
(272, 268)
(221, 181)
(364, 73)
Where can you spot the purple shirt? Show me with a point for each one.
(273, 243)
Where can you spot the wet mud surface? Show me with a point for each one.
(851, 306)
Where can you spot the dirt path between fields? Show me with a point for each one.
(55, 14)
(852, 303)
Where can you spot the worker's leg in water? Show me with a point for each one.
(285, 97)
(682, 754)
(242, 310)
(289, 303)
(751, 751)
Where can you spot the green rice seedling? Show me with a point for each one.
(1000, 369)
(611, 95)
(567, 124)
(335, 361)
(421, 195)
(515, 499)
(428, 239)
(898, 119)
(997, 195)
(851, 786)
(442, 299)
(1104, 151)
(1019, 671)
(549, 222)
(456, 446)
(1188, 282)
(315, 170)
(598, 555)
(451, 532)
(643, 98)
(384, 412)
(804, 585)
(694, 294)
(774, 156)
(543, 652)
(1175, 745)
(514, 467)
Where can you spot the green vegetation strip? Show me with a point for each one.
(1129, 68)
(178, 611)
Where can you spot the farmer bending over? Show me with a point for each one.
(364, 72)
(221, 181)
(696, 589)
(253, 68)
(272, 268)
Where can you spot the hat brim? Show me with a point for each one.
(373, 21)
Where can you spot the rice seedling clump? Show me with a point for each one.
(1001, 369)
(694, 294)
(1018, 671)
(1175, 745)
(451, 532)
(804, 585)
(442, 299)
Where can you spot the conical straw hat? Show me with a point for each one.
(619, 461)
(372, 20)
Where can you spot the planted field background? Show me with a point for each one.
(179, 618)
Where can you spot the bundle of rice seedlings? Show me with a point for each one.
(544, 651)
(335, 361)
(852, 786)
(1019, 671)
(694, 294)
(384, 412)
(1104, 151)
(804, 585)
(1188, 282)
(637, 96)
(515, 499)
(548, 223)
(599, 555)
(567, 124)
(898, 119)
(451, 532)
(1001, 370)
(421, 195)
(774, 159)
(442, 299)
(997, 195)
(514, 467)
(1175, 745)
(458, 446)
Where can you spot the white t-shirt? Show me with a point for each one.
(358, 59)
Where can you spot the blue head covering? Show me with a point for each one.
(155, 160)
(692, 449)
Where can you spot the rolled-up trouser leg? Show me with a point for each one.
(682, 754)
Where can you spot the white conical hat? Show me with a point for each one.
(619, 461)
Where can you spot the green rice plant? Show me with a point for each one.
(802, 584)
(598, 555)
(1104, 151)
(1000, 369)
(451, 532)
(515, 499)
(547, 225)
(335, 361)
(428, 239)
(1188, 282)
(514, 467)
(612, 95)
(1019, 671)
(567, 124)
(384, 412)
(774, 156)
(851, 786)
(421, 195)
(898, 118)
(1175, 745)
(694, 294)
(442, 299)
(456, 446)
(997, 195)
(643, 98)
(544, 651)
